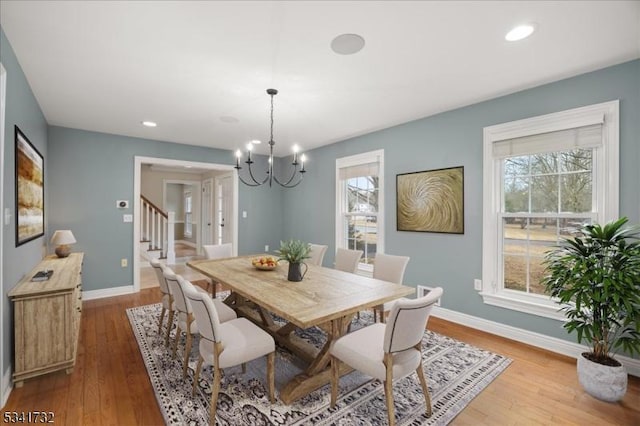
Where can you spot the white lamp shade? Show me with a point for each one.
(63, 237)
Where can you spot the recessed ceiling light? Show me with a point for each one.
(347, 44)
(520, 32)
(228, 119)
(256, 142)
(149, 124)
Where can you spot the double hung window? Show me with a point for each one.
(360, 205)
(544, 178)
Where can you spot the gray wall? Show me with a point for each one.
(22, 110)
(88, 171)
(454, 138)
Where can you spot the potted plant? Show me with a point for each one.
(595, 277)
(294, 252)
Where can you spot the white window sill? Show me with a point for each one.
(530, 304)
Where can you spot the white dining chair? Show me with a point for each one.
(317, 254)
(179, 286)
(227, 344)
(389, 351)
(217, 251)
(387, 267)
(167, 299)
(347, 260)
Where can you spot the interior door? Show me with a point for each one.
(207, 219)
(224, 216)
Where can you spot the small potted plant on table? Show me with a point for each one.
(294, 252)
(596, 278)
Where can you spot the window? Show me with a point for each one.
(544, 178)
(360, 205)
(188, 214)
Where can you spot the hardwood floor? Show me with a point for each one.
(110, 384)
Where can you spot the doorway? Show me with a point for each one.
(174, 172)
(182, 197)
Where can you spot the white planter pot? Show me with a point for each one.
(601, 381)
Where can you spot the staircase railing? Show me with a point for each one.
(157, 229)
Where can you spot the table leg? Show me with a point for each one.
(318, 373)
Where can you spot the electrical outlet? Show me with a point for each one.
(266, 248)
(124, 263)
(477, 284)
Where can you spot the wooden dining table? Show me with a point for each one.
(326, 298)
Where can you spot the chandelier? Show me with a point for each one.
(271, 177)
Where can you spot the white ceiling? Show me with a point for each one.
(106, 66)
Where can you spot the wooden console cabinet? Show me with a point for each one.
(47, 318)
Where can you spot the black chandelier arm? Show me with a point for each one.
(287, 185)
(256, 180)
(247, 183)
(293, 174)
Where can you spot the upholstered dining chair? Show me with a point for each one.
(167, 299)
(227, 344)
(387, 267)
(178, 287)
(317, 254)
(389, 351)
(347, 260)
(217, 251)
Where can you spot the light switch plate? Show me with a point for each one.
(7, 216)
(127, 218)
(244, 214)
(477, 284)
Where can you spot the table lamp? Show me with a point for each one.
(61, 239)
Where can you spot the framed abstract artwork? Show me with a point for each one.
(431, 201)
(29, 190)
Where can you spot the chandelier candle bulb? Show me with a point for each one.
(249, 149)
(303, 158)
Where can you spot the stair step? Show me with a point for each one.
(155, 249)
(145, 241)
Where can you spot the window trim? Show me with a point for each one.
(355, 160)
(608, 183)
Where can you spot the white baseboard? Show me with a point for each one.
(532, 338)
(107, 292)
(7, 386)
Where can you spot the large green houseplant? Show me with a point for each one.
(595, 277)
(294, 252)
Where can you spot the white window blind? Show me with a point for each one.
(563, 140)
(368, 169)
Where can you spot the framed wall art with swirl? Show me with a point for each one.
(431, 201)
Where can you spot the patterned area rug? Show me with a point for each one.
(456, 372)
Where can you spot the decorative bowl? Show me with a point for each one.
(265, 263)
